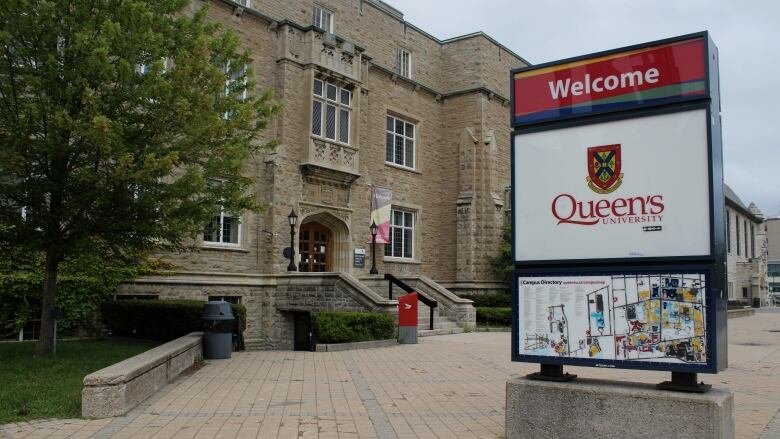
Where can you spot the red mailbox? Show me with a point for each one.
(407, 310)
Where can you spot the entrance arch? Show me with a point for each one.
(315, 248)
(324, 230)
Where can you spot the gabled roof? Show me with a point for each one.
(733, 200)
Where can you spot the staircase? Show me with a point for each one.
(450, 313)
(441, 325)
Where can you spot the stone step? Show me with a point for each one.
(438, 323)
(428, 333)
(436, 326)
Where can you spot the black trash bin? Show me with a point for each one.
(756, 302)
(218, 329)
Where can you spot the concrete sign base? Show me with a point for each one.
(589, 408)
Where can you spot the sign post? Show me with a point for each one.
(618, 212)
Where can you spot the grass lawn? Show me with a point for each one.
(50, 387)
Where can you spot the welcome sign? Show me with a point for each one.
(658, 74)
(630, 188)
(618, 209)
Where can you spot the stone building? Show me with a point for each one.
(773, 255)
(746, 246)
(370, 101)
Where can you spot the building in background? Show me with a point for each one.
(370, 102)
(746, 246)
(773, 257)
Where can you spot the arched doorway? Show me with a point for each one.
(324, 238)
(315, 247)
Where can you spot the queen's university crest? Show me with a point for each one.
(604, 168)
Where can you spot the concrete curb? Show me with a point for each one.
(335, 347)
(118, 388)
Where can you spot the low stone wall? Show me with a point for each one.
(746, 312)
(118, 388)
(270, 299)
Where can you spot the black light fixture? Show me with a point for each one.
(293, 218)
(374, 230)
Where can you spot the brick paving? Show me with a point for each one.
(445, 387)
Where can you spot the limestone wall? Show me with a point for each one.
(457, 98)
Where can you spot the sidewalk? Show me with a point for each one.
(445, 387)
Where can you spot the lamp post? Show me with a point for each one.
(374, 229)
(293, 218)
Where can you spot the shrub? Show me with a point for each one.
(494, 316)
(346, 327)
(158, 319)
(502, 264)
(490, 300)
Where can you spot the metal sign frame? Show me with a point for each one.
(713, 264)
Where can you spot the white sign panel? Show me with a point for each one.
(621, 317)
(625, 189)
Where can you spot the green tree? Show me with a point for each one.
(116, 119)
(502, 264)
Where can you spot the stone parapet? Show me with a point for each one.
(116, 389)
(588, 408)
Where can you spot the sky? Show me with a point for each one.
(747, 34)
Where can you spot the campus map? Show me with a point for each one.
(626, 317)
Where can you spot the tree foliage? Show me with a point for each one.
(116, 119)
(84, 282)
(502, 264)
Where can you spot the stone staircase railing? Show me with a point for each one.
(451, 308)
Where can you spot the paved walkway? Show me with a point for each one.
(445, 387)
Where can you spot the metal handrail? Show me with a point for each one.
(431, 303)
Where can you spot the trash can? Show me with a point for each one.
(217, 329)
(756, 302)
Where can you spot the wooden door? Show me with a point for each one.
(315, 248)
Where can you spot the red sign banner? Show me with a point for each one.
(652, 75)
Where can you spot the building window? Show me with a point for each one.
(752, 241)
(747, 243)
(739, 242)
(728, 231)
(401, 235)
(244, 3)
(235, 82)
(331, 111)
(143, 69)
(400, 142)
(223, 229)
(744, 292)
(403, 62)
(323, 19)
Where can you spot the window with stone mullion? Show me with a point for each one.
(400, 142)
(222, 229)
(331, 111)
(401, 235)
